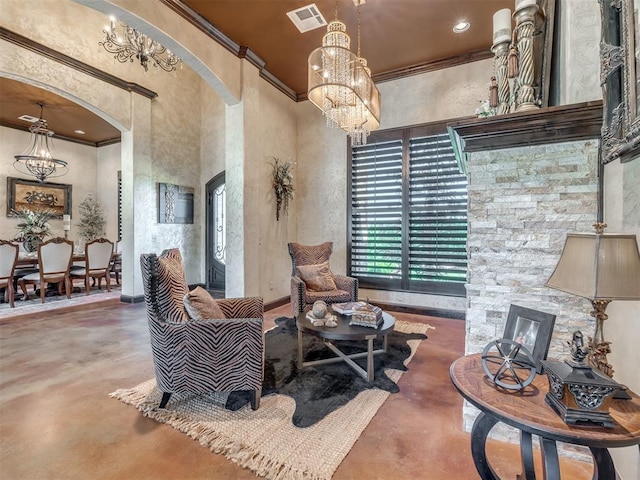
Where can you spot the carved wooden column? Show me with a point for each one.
(525, 16)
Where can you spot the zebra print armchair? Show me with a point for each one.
(312, 279)
(200, 356)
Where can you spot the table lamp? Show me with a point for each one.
(66, 224)
(601, 267)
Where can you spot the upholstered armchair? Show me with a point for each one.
(212, 345)
(313, 280)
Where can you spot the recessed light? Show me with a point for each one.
(461, 27)
(79, 132)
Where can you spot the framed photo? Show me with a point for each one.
(532, 329)
(175, 203)
(36, 196)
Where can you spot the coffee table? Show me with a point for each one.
(344, 331)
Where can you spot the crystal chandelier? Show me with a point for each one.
(340, 84)
(38, 160)
(135, 44)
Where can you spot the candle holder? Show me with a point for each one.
(66, 225)
(500, 52)
(525, 18)
(500, 49)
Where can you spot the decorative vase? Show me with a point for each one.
(31, 244)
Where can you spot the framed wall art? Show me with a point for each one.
(36, 196)
(531, 329)
(175, 203)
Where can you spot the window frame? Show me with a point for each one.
(404, 284)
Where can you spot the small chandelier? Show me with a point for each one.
(38, 160)
(135, 44)
(340, 84)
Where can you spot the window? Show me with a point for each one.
(408, 212)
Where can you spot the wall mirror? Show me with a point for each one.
(620, 79)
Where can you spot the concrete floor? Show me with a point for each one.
(57, 421)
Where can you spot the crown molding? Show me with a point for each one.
(236, 49)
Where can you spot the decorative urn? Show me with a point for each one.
(580, 394)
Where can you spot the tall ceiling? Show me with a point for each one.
(397, 36)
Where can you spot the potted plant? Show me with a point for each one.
(33, 227)
(92, 220)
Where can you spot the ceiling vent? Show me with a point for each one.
(307, 18)
(28, 118)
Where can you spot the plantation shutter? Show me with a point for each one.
(408, 212)
(376, 213)
(437, 216)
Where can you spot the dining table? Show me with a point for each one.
(28, 260)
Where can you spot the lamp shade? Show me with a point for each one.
(599, 267)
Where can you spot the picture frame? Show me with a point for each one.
(532, 329)
(175, 203)
(36, 196)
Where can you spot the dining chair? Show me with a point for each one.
(98, 255)
(54, 262)
(8, 258)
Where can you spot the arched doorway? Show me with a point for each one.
(216, 232)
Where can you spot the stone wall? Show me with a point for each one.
(522, 203)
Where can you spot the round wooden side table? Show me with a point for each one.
(528, 412)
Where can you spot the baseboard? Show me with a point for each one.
(412, 309)
(276, 303)
(132, 299)
(428, 311)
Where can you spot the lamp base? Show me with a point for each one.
(579, 418)
(580, 394)
(622, 394)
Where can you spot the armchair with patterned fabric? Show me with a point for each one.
(313, 280)
(199, 344)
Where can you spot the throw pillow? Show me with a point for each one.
(318, 277)
(172, 286)
(202, 306)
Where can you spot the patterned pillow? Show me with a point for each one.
(172, 286)
(202, 306)
(317, 278)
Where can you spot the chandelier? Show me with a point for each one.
(135, 44)
(38, 160)
(340, 84)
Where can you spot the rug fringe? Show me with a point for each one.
(413, 327)
(240, 454)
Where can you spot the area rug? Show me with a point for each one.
(57, 302)
(266, 441)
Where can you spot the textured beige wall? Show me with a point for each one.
(276, 136)
(434, 96)
(107, 168)
(579, 38)
(212, 153)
